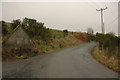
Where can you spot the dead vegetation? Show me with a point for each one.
(111, 62)
(59, 43)
(41, 47)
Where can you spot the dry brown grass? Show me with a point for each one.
(58, 44)
(43, 48)
(111, 62)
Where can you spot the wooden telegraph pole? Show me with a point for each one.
(102, 23)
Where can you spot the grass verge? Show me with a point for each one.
(111, 63)
(41, 47)
(57, 44)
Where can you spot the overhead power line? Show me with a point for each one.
(113, 20)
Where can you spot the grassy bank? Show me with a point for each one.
(58, 41)
(44, 39)
(58, 44)
(111, 62)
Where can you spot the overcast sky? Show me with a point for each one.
(74, 16)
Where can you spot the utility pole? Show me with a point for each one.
(102, 23)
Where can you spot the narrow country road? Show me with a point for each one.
(75, 62)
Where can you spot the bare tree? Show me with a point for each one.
(90, 31)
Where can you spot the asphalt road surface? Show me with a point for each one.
(75, 62)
